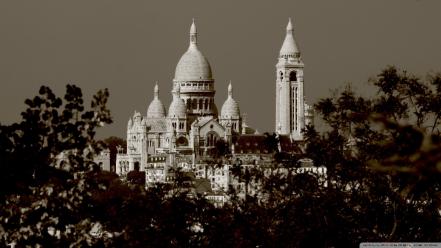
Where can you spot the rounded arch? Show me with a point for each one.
(188, 103)
(211, 138)
(182, 141)
(201, 104)
(293, 76)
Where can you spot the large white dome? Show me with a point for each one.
(193, 66)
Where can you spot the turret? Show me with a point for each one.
(156, 109)
(290, 115)
(230, 113)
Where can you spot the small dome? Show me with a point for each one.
(177, 107)
(156, 109)
(193, 65)
(230, 107)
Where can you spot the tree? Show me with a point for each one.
(46, 160)
(381, 159)
(382, 182)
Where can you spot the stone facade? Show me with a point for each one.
(192, 127)
(291, 110)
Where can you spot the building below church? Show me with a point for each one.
(193, 129)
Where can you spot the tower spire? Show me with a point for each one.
(193, 34)
(289, 27)
(290, 102)
(289, 47)
(230, 90)
(156, 90)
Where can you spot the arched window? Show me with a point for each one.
(188, 103)
(281, 76)
(194, 104)
(211, 138)
(206, 103)
(182, 141)
(201, 104)
(293, 76)
(136, 166)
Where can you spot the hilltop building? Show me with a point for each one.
(192, 127)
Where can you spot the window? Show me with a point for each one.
(201, 103)
(188, 103)
(294, 109)
(194, 104)
(211, 139)
(293, 76)
(281, 76)
(206, 103)
(182, 141)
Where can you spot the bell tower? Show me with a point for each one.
(290, 106)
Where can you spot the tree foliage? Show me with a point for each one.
(382, 181)
(380, 155)
(45, 160)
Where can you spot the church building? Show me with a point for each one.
(192, 126)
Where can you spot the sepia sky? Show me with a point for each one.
(128, 45)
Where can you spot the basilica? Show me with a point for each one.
(193, 126)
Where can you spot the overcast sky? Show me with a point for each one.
(128, 45)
